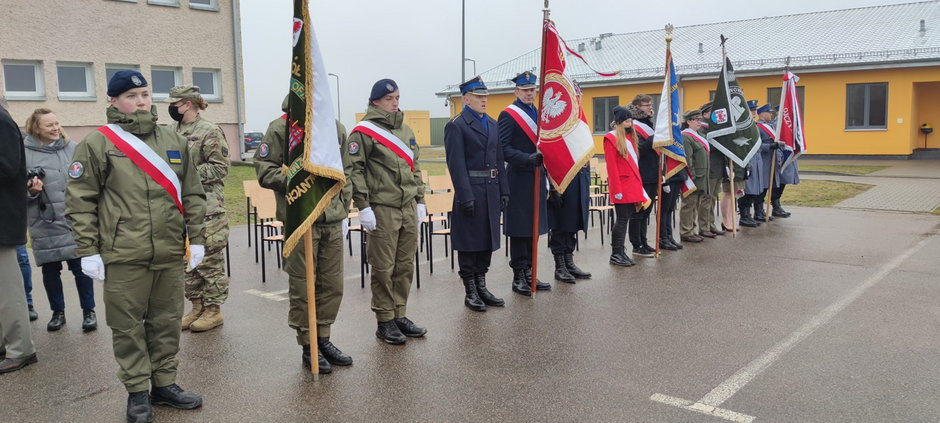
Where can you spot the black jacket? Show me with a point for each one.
(12, 183)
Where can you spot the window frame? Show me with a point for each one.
(866, 113)
(608, 116)
(39, 80)
(800, 96)
(89, 94)
(216, 97)
(117, 67)
(177, 80)
(213, 5)
(165, 3)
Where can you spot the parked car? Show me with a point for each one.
(253, 140)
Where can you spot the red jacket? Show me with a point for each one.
(623, 175)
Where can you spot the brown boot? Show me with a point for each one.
(211, 317)
(193, 314)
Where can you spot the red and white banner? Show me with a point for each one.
(524, 121)
(688, 186)
(387, 139)
(697, 137)
(790, 121)
(146, 159)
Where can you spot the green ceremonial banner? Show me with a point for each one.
(314, 165)
(731, 128)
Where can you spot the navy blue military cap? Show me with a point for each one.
(382, 88)
(525, 80)
(752, 104)
(474, 86)
(125, 80)
(765, 108)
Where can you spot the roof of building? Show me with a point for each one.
(865, 36)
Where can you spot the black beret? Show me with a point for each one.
(382, 88)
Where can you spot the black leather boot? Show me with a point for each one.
(139, 409)
(778, 210)
(574, 269)
(322, 363)
(332, 354)
(33, 316)
(744, 209)
(485, 294)
(175, 397)
(519, 283)
(561, 271)
(389, 332)
(539, 285)
(620, 258)
(56, 322)
(89, 321)
(472, 299)
(759, 214)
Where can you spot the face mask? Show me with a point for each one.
(175, 113)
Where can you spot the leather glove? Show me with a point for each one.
(774, 145)
(367, 219)
(93, 267)
(422, 213)
(535, 159)
(780, 145)
(196, 254)
(345, 228)
(555, 199)
(467, 208)
(503, 202)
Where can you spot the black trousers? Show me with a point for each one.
(670, 200)
(777, 192)
(640, 221)
(626, 214)
(562, 242)
(520, 252)
(473, 262)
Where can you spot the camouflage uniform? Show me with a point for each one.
(209, 150)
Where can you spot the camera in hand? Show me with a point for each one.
(36, 172)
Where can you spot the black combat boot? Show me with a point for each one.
(539, 285)
(332, 354)
(574, 269)
(778, 210)
(89, 321)
(744, 209)
(472, 300)
(322, 363)
(175, 397)
(519, 283)
(409, 328)
(389, 332)
(485, 294)
(139, 409)
(759, 214)
(56, 322)
(561, 271)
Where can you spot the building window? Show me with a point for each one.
(173, 3)
(603, 114)
(76, 81)
(866, 106)
(204, 4)
(208, 82)
(111, 69)
(773, 96)
(162, 79)
(23, 80)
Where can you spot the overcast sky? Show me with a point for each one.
(417, 42)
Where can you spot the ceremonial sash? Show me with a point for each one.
(387, 139)
(634, 167)
(146, 159)
(767, 129)
(698, 138)
(643, 129)
(524, 121)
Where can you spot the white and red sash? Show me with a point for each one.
(524, 121)
(387, 139)
(634, 161)
(697, 137)
(146, 159)
(767, 129)
(643, 129)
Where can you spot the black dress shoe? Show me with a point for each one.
(621, 259)
(644, 251)
(89, 321)
(138, 407)
(748, 223)
(666, 245)
(409, 328)
(389, 332)
(175, 397)
(13, 364)
(322, 364)
(333, 354)
(56, 322)
(32, 314)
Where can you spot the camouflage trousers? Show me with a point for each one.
(208, 280)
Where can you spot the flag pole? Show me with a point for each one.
(538, 169)
(311, 302)
(734, 198)
(662, 159)
(773, 163)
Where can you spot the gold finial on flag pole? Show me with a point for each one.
(669, 29)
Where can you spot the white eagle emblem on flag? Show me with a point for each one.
(552, 105)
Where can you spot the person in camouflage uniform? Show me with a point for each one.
(207, 284)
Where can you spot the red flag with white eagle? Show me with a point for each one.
(565, 138)
(790, 121)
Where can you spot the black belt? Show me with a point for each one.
(492, 173)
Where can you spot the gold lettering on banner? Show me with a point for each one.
(300, 189)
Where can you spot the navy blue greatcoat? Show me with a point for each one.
(572, 216)
(517, 147)
(471, 147)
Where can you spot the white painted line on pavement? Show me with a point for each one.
(702, 408)
(742, 377)
(272, 295)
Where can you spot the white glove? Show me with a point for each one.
(93, 267)
(618, 196)
(345, 228)
(422, 213)
(196, 254)
(367, 219)
(666, 189)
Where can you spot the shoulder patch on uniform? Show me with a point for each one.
(174, 156)
(412, 143)
(264, 150)
(76, 170)
(353, 147)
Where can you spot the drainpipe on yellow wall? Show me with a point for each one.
(236, 37)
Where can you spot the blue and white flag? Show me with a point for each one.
(668, 134)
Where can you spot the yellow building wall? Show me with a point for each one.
(418, 120)
(913, 99)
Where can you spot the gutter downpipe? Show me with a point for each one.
(236, 37)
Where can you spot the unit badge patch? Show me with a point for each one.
(264, 150)
(353, 147)
(76, 170)
(174, 157)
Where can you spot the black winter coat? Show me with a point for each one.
(517, 147)
(572, 216)
(12, 183)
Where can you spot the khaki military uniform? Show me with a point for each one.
(209, 150)
(385, 182)
(327, 238)
(118, 211)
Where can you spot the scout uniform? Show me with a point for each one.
(207, 284)
(694, 220)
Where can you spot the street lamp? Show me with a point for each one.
(338, 110)
(474, 65)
